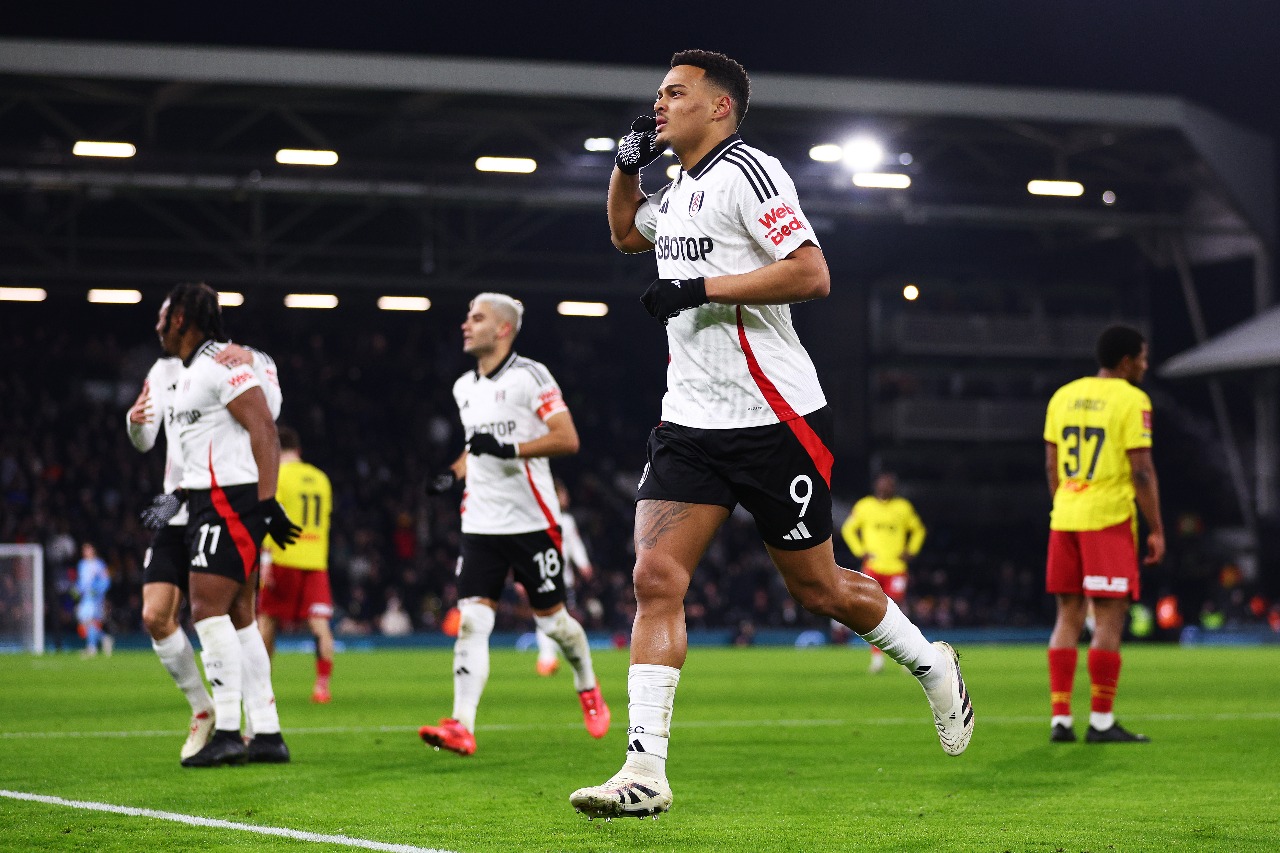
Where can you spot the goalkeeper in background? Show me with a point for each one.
(884, 531)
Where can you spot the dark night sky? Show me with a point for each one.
(1223, 54)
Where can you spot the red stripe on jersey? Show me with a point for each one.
(239, 533)
(553, 529)
(822, 458)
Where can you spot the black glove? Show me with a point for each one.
(638, 148)
(162, 509)
(270, 517)
(483, 442)
(441, 483)
(667, 297)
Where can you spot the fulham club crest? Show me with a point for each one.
(695, 203)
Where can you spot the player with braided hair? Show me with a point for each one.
(230, 464)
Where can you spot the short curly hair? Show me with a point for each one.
(726, 73)
(1116, 342)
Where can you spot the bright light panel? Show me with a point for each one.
(881, 180)
(305, 157)
(911, 293)
(582, 309)
(84, 148)
(22, 294)
(1108, 197)
(863, 154)
(516, 165)
(115, 297)
(673, 171)
(404, 303)
(230, 299)
(1062, 188)
(310, 300)
(826, 153)
(599, 143)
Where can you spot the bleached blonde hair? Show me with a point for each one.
(507, 307)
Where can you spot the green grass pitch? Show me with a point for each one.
(774, 749)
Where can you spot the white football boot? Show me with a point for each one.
(952, 709)
(198, 734)
(627, 794)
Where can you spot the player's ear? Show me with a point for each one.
(723, 108)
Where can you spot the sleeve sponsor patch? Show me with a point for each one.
(780, 227)
(1146, 420)
(551, 401)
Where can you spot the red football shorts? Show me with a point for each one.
(1097, 563)
(894, 586)
(296, 595)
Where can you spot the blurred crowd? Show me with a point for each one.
(371, 397)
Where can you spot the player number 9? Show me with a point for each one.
(799, 497)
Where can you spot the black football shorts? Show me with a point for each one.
(780, 473)
(536, 558)
(218, 542)
(166, 558)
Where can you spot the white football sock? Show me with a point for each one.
(259, 697)
(546, 647)
(568, 634)
(651, 690)
(471, 660)
(220, 652)
(179, 658)
(902, 641)
(1101, 721)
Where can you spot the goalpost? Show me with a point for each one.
(22, 598)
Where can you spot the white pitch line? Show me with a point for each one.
(192, 820)
(689, 724)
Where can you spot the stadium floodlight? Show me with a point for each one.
(1108, 197)
(826, 153)
(881, 180)
(230, 299)
(863, 154)
(582, 309)
(514, 165)
(600, 143)
(115, 297)
(911, 293)
(22, 616)
(1068, 189)
(310, 300)
(306, 157)
(22, 294)
(673, 171)
(86, 148)
(404, 303)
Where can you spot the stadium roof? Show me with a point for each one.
(1253, 344)
(405, 206)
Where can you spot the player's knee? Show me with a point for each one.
(657, 580)
(476, 620)
(158, 622)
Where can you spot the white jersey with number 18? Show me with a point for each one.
(731, 365)
(513, 403)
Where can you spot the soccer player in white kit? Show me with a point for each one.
(744, 419)
(164, 567)
(230, 461)
(515, 419)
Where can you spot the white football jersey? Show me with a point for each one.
(731, 365)
(513, 403)
(163, 379)
(215, 447)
